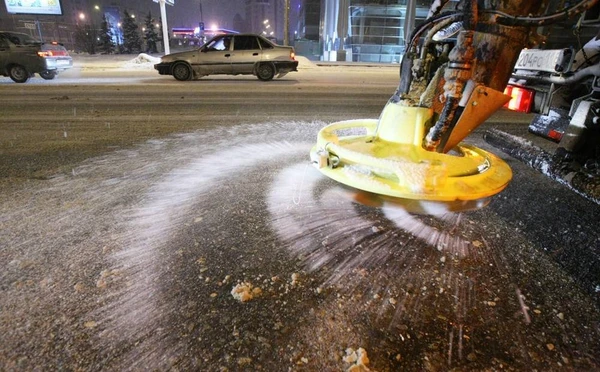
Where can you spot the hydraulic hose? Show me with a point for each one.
(436, 7)
(508, 20)
(457, 73)
(575, 77)
(407, 59)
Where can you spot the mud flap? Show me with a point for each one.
(551, 126)
(540, 160)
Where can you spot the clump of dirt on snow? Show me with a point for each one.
(295, 278)
(245, 291)
(358, 359)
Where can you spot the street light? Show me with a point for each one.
(81, 16)
(119, 37)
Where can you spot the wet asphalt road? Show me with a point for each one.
(136, 211)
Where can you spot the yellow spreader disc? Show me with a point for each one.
(385, 157)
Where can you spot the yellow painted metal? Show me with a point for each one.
(397, 124)
(387, 158)
(482, 103)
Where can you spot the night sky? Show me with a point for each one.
(186, 13)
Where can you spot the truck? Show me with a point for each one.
(415, 149)
(561, 88)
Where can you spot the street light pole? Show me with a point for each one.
(39, 27)
(201, 13)
(286, 23)
(165, 29)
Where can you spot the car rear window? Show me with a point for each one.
(265, 44)
(21, 39)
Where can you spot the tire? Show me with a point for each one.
(265, 71)
(182, 72)
(18, 74)
(48, 74)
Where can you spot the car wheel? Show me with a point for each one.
(18, 74)
(182, 72)
(265, 71)
(48, 75)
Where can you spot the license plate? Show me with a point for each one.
(63, 62)
(555, 60)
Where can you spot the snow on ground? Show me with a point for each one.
(115, 61)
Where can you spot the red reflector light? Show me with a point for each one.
(521, 98)
(555, 135)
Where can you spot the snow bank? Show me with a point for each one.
(114, 61)
(143, 60)
(305, 63)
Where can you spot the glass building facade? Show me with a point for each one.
(368, 30)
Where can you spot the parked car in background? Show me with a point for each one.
(22, 56)
(231, 54)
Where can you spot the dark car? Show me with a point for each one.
(232, 54)
(22, 56)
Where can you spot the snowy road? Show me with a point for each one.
(137, 213)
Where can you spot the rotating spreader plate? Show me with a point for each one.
(387, 158)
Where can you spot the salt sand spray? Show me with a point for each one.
(183, 220)
(316, 220)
